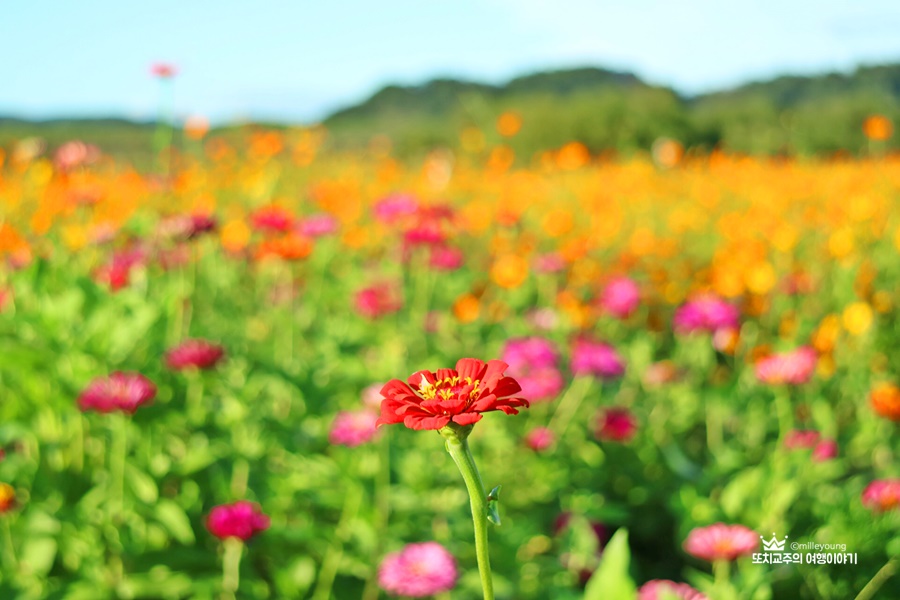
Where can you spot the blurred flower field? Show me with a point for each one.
(191, 365)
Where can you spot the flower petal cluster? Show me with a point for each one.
(431, 400)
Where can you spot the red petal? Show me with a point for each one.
(419, 422)
(395, 387)
(415, 380)
(466, 418)
(445, 373)
(507, 386)
(471, 368)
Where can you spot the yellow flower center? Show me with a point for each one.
(449, 388)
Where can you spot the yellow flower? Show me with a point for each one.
(857, 318)
(509, 271)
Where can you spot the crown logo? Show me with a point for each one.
(773, 545)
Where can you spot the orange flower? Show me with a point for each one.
(235, 235)
(509, 271)
(509, 124)
(466, 308)
(289, 247)
(7, 497)
(878, 128)
(885, 399)
(573, 155)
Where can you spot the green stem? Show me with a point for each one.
(874, 584)
(240, 475)
(722, 575)
(714, 436)
(568, 406)
(785, 414)
(382, 510)
(9, 549)
(335, 552)
(458, 447)
(117, 454)
(194, 400)
(231, 566)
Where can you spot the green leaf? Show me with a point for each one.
(143, 486)
(38, 555)
(611, 579)
(493, 506)
(175, 520)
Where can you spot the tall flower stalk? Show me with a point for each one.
(451, 401)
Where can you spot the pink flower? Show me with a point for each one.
(620, 297)
(825, 450)
(797, 439)
(539, 439)
(74, 154)
(377, 300)
(721, 542)
(371, 396)
(394, 208)
(882, 495)
(549, 263)
(272, 219)
(616, 425)
(533, 362)
(596, 358)
(194, 354)
(706, 313)
(201, 223)
(117, 272)
(446, 258)
(353, 428)
(417, 571)
(317, 225)
(120, 391)
(663, 589)
(544, 319)
(163, 70)
(241, 520)
(793, 368)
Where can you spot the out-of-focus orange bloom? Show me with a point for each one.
(509, 271)
(355, 237)
(287, 247)
(573, 155)
(825, 336)
(265, 144)
(760, 278)
(501, 159)
(558, 222)
(195, 127)
(577, 312)
(7, 497)
(841, 243)
(857, 318)
(10, 240)
(509, 124)
(667, 152)
(878, 128)
(466, 308)
(885, 400)
(882, 301)
(235, 235)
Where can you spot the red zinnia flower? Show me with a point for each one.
(241, 520)
(882, 495)
(194, 354)
(616, 424)
(120, 391)
(431, 400)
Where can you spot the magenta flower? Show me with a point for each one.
(117, 272)
(201, 223)
(533, 363)
(663, 589)
(120, 391)
(194, 354)
(596, 358)
(272, 219)
(446, 258)
(825, 450)
(241, 520)
(394, 208)
(417, 571)
(353, 428)
(616, 425)
(318, 225)
(377, 300)
(620, 297)
(721, 542)
(793, 368)
(539, 439)
(707, 313)
(882, 495)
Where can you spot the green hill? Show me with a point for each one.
(606, 110)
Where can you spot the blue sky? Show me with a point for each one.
(297, 60)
